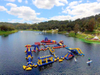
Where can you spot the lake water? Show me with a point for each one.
(12, 56)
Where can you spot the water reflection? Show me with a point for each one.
(45, 67)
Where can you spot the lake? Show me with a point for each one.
(12, 55)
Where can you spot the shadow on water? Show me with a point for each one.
(41, 68)
(5, 35)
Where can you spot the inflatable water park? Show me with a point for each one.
(52, 57)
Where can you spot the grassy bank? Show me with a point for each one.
(84, 37)
(62, 32)
(29, 30)
(7, 32)
(51, 31)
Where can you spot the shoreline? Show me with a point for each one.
(7, 32)
(71, 34)
(87, 38)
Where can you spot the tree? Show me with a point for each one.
(69, 29)
(91, 24)
(76, 28)
(98, 19)
(4, 28)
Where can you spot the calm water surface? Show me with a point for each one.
(12, 56)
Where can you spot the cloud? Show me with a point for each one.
(26, 14)
(80, 10)
(48, 4)
(10, 0)
(98, 0)
(26, 1)
(2, 8)
(19, 1)
(73, 3)
(61, 17)
(11, 4)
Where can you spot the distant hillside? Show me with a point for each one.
(53, 24)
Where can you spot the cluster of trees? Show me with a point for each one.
(6, 28)
(84, 24)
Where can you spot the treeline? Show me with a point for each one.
(85, 24)
(6, 28)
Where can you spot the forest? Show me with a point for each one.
(85, 24)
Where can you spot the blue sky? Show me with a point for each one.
(35, 11)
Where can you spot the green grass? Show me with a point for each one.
(62, 32)
(7, 32)
(84, 37)
(29, 30)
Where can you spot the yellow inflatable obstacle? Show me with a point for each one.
(51, 49)
(29, 56)
(28, 68)
(77, 51)
(61, 59)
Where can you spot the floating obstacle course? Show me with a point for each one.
(48, 59)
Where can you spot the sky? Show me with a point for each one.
(35, 11)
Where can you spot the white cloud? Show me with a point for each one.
(19, 1)
(10, 0)
(48, 4)
(73, 3)
(80, 10)
(63, 17)
(11, 4)
(26, 1)
(26, 13)
(98, 0)
(2, 8)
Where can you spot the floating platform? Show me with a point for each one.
(45, 60)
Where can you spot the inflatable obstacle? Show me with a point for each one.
(51, 49)
(36, 47)
(61, 59)
(76, 51)
(28, 45)
(59, 45)
(55, 47)
(48, 42)
(29, 64)
(28, 53)
(69, 55)
(29, 57)
(44, 60)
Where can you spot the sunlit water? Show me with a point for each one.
(12, 56)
